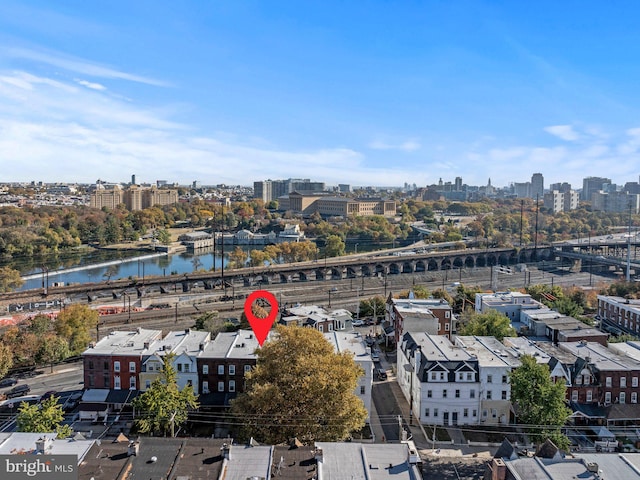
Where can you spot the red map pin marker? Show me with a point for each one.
(261, 326)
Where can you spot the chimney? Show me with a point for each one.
(201, 347)
(133, 448)
(146, 345)
(43, 444)
(498, 469)
(187, 331)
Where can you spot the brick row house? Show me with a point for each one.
(619, 315)
(433, 316)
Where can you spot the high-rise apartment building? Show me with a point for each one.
(134, 197)
(537, 185)
(591, 185)
(106, 197)
(615, 202)
(268, 190)
(561, 201)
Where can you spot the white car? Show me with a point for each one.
(357, 323)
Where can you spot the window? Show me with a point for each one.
(504, 394)
(441, 375)
(623, 397)
(475, 413)
(505, 379)
(116, 366)
(116, 383)
(90, 364)
(607, 397)
(484, 413)
(447, 314)
(465, 412)
(489, 394)
(469, 376)
(232, 385)
(457, 393)
(589, 396)
(435, 412)
(574, 396)
(247, 368)
(433, 375)
(623, 382)
(132, 383)
(187, 367)
(446, 327)
(221, 370)
(321, 328)
(489, 378)
(180, 367)
(205, 387)
(232, 369)
(634, 381)
(205, 369)
(429, 393)
(106, 365)
(91, 381)
(426, 412)
(362, 389)
(494, 412)
(634, 397)
(221, 386)
(132, 367)
(608, 382)
(147, 384)
(444, 393)
(472, 394)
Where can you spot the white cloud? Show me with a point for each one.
(407, 146)
(91, 85)
(77, 65)
(564, 132)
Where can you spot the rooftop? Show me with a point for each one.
(240, 344)
(603, 358)
(349, 342)
(124, 342)
(489, 351)
(438, 348)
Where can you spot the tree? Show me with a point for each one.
(164, 236)
(76, 323)
(52, 349)
(540, 403)
(44, 417)
(6, 359)
(372, 307)
(9, 279)
(163, 407)
(301, 388)
(334, 246)
(492, 324)
(237, 258)
(209, 321)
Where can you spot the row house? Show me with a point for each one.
(559, 328)
(495, 364)
(115, 362)
(511, 304)
(223, 364)
(433, 316)
(317, 317)
(440, 381)
(601, 376)
(353, 343)
(186, 346)
(619, 315)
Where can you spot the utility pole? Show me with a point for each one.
(535, 238)
(521, 215)
(629, 247)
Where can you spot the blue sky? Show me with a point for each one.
(366, 92)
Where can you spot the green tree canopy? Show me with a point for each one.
(372, 307)
(540, 403)
(163, 407)
(76, 323)
(301, 388)
(334, 246)
(492, 323)
(44, 417)
(52, 349)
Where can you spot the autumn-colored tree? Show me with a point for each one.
(372, 307)
(52, 349)
(237, 258)
(6, 359)
(75, 323)
(300, 388)
(163, 408)
(9, 279)
(334, 246)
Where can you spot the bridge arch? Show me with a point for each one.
(366, 271)
(394, 269)
(351, 272)
(446, 264)
(433, 265)
(336, 273)
(380, 270)
(469, 262)
(407, 267)
(420, 266)
(458, 262)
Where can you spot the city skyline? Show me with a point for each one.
(364, 94)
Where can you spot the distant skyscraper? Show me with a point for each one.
(537, 185)
(133, 179)
(458, 184)
(590, 185)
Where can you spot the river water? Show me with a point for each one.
(96, 268)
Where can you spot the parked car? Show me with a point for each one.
(357, 323)
(46, 395)
(8, 382)
(381, 373)
(19, 391)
